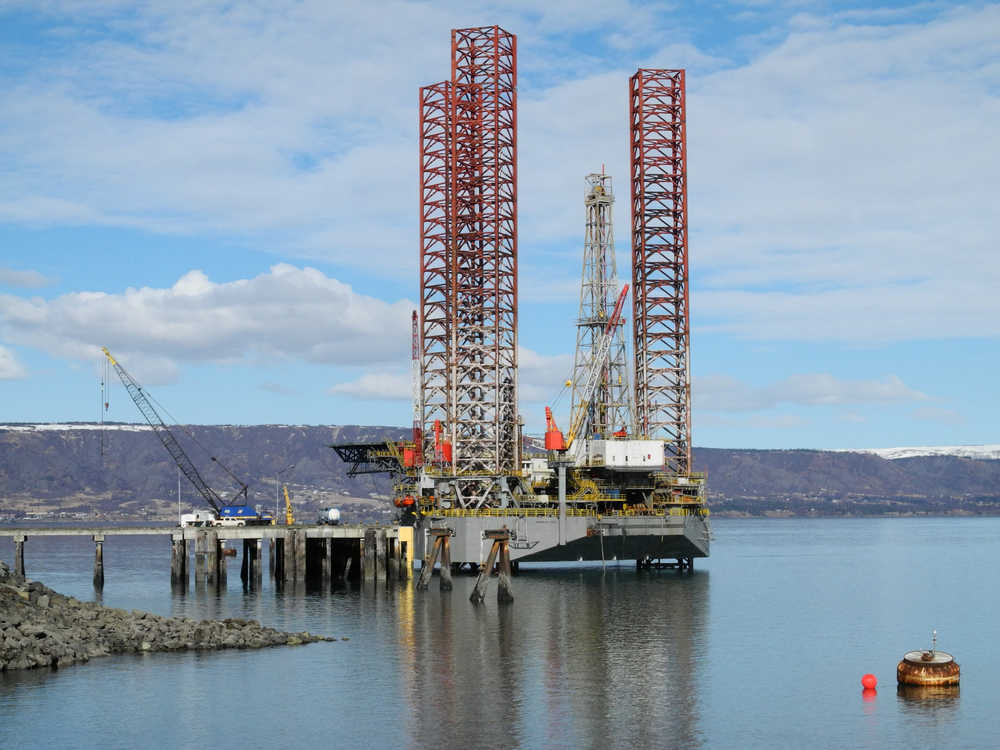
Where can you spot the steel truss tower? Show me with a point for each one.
(436, 262)
(611, 408)
(468, 263)
(660, 315)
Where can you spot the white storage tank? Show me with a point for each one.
(329, 516)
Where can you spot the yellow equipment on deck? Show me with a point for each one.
(289, 516)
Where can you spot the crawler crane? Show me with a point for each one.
(224, 513)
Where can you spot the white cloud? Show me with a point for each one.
(28, 279)
(841, 183)
(939, 415)
(278, 389)
(722, 393)
(288, 313)
(754, 421)
(540, 379)
(541, 376)
(841, 180)
(205, 117)
(377, 386)
(853, 417)
(10, 368)
(929, 309)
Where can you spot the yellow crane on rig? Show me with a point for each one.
(289, 515)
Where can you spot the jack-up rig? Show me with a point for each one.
(619, 485)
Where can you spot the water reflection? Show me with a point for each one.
(586, 658)
(929, 704)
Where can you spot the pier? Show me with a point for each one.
(369, 555)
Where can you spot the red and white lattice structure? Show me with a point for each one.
(660, 314)
(436, 263)
(468, 255)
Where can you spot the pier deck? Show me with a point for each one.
(370, 554)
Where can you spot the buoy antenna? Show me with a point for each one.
(933, 641)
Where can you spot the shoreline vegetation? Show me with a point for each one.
(40, 627)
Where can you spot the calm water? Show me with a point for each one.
(762, 647)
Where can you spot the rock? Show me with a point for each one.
(39, 627)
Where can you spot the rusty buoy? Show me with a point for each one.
(928, 668)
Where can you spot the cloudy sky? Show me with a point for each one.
(225, 195)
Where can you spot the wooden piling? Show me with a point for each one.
(212, 558)
(278, 560)
(339, 552)
(19, 540)
(200, 558)
(245, 563)
(368, 561)
(327, 563)
(381, 541)
(99, 562)
(479, 590)
(270, 555)
(427, 566)
(288, 567)
(359, 565)
(349, 562)
(504, 593)
(178, 559)
(446, 584)
(500, 538)
(257, 570)
(300, 555)
(222, 573)
(393, 572)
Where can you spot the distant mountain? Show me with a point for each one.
(811, 482)
(983, 452)
(123, 471)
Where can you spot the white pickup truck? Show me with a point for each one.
(198, 518)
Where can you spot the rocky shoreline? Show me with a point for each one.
(42, 628)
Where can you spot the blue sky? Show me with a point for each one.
(225, 195)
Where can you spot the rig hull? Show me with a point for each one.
(538, 538)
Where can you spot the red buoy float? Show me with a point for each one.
(869, 681)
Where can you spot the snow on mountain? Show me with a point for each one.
(66, 426)
(981, 452)
(63, 427)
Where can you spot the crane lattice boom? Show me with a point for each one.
(165, 435)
